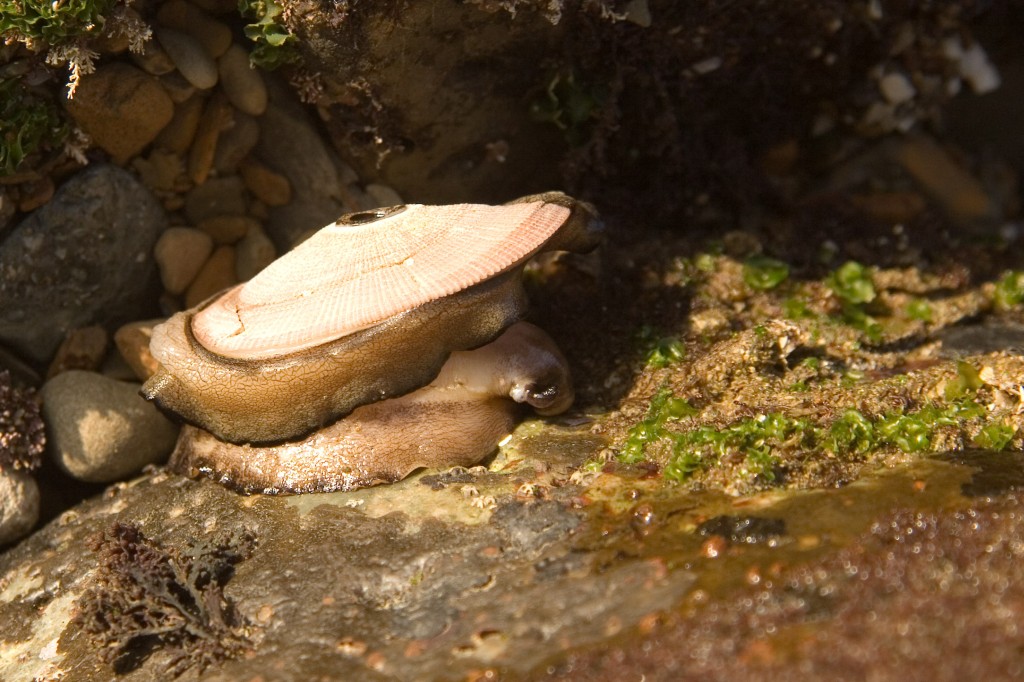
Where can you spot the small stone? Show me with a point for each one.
(216, 116)
(180, 253)
(273, 189)
(382, 195)
(253, 253)
(160, 171)
(122, 108)
(214, 36)
(241, 82)
(83, 348)
(189, 57)
(153, 59)
(19, 505)
(100, 430)
(218, 273)
(177, 136)
(217, 7)
(235, 143)
(216, 196)
(177, 86)
(896, 88)
(34, 194)
(132, 341)
(228, 229)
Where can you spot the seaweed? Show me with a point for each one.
(148, 597)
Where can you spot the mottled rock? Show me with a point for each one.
(218, 273)
(189, 57)
(269, 187)
(100, 430)
(177, 136)
(83, 258)
(241, 82)
(228, 229)
(214, 36)
(253, 253)
(122, 108)
(180, 253)
(19, 505)
(82, 348)
(132, 342)
(216, 196)
(235, 143)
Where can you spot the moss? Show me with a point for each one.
(1009, 290)
(762, 273)
(28, 125)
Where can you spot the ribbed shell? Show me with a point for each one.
(349, 277)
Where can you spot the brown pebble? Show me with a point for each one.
(180, 253)
(228, 229)
(34, 194)
(82, 348)
(216, 196)
(217, 7)
(132, 341)
(218, 273)
(122, 108)
(890, 207)
(235, 143)
(241, 82)
(189, 57)
(177, 136)
(216, 116)
(273, 189)
(214, 36)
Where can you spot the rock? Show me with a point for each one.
(19, 505)
(269, 187)
(253, 253)
(83, 348)
(35, 193)
(896, 88)
(132, 342)
(216, 116)
(216, 196)
(289, 145)
(177, 86)
(178, 134)
(214, 36)
(180, 253)
(382, 195)
(100, 430)
(235, 143)
(153, 59)
(241, 82)
(83, 258)
(218, 273)
(228, 229)
(122, 108)
(189, 57)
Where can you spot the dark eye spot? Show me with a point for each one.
(364, 217)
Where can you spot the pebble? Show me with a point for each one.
(180, 253)
(241, 83)
(83, 258)
(216, 116)
(235, 143)
(217, 274)
(177, 86)
(122, 108)
(153, 59)
(19, 505)
(83, 348)
(269, 187)
(382, 195)
(35, 193)
(291, 146)
(228, 229)
(216, 196)
(189, 57)
(132, 341)
(217, 7)
(253, 253)
(101, 430)
(896, 88)
(214, 36)
(177, 136)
